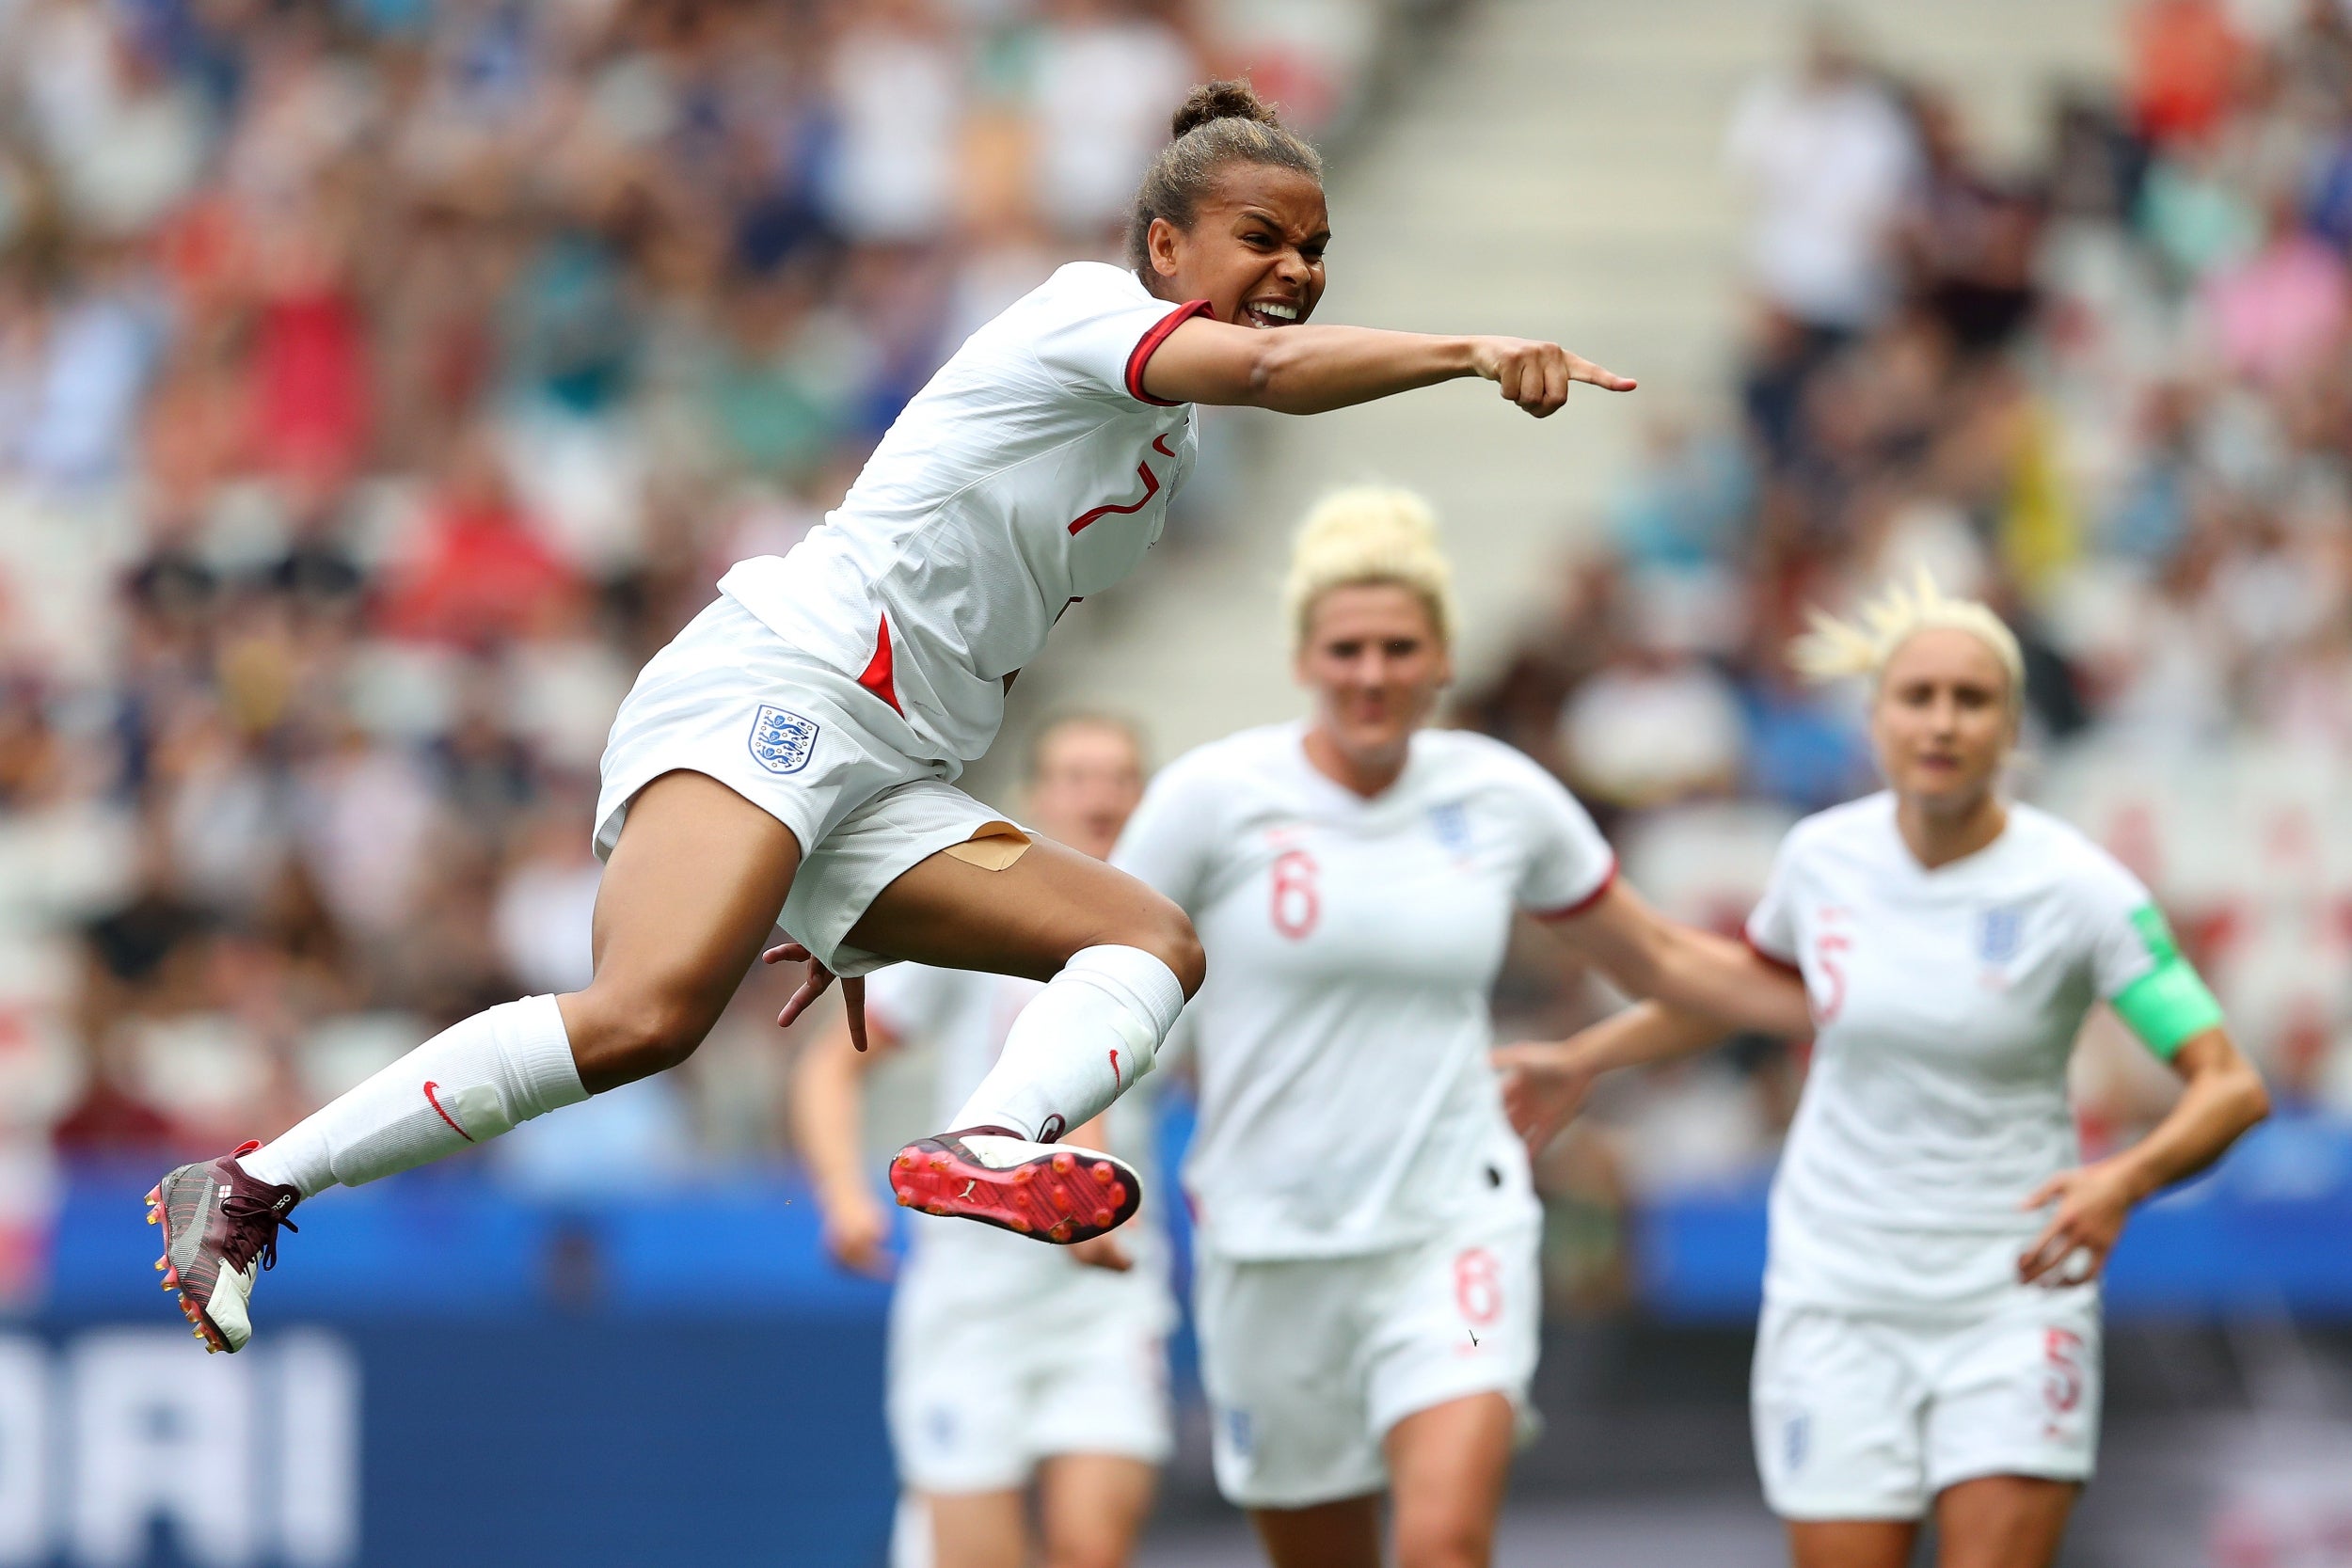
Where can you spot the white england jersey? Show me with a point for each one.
(1346, 1101)
(1947, 1002)
(964, 1016)
(1031, 471)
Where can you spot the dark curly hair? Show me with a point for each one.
(1219, 123)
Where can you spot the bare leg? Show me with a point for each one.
(1344, 1534)
(977, 1529)
(1093, 1506)
(1026, 919)
(1119, 961)
(1448, 1467)
(2003, 1522)
(691, 893)
(1851, 1542)
(693, 885)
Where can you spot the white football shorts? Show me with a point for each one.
(1308, 1362)
(983, 1384)
(1864, 1417)
(806, 744)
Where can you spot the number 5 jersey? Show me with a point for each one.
(1945, 1003)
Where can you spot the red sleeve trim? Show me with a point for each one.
(1607, 880)
(1773, 958)
(1150, 345)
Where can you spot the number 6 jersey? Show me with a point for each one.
(1346, 1102)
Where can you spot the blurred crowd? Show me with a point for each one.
(2109, 392)
(381, 382)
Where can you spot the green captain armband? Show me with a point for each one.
(2170, 1003)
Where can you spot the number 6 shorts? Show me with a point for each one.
(1308, 1362)
(803, 742)
(1864, 1417)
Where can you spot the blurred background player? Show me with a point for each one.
(787, 759)
(1367, 1296)
(1010, 1364)
(1931, 1338)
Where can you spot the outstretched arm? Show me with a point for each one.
(1703, 988)
(1544, 1083)
(2224, 1097)
(1650, 956)
(1311, 370)
(828, 1111)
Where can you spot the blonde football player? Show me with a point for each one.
(1367, 1293)
(1929, 1344)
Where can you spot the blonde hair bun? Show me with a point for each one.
(1836, 649)
(1367, 534)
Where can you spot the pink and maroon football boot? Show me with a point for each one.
(993, 1175)
(220, 1231)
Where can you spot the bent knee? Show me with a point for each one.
(1175, 944)
(621, 1033)
(1152, 922)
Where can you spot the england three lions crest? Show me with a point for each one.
(2000, 937)
(782, 739)
(2000, 934)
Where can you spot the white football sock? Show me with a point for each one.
(1079, 1045)
(463, 1087)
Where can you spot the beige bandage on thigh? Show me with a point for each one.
(993, 846)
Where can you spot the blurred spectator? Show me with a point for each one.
(476, 573)
(2280, 312)
(1682, 509)
(1830, 160)
(548, 895)
(1655, 724)
(1108, 74)
(91, 345)
(786, 383)
(898, 101)
(310, 365)
(1801, 745)
(124, 137)
(2185, 60)
(1969, 240)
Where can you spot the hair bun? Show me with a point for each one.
(1221, 123)
(1229, 100)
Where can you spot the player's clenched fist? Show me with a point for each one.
(1537, 375)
